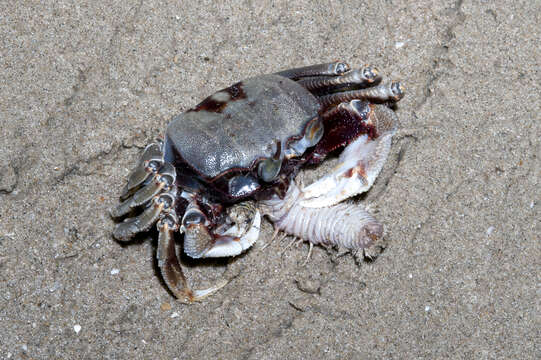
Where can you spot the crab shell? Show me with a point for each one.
(250, 137)
(235, 142)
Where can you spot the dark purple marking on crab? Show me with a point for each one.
(219, 100)
(248, 142)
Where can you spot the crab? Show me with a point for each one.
(234, 158)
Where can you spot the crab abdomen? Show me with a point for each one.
(238, 125)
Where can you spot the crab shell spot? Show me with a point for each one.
(242, 185)
(221, 96)
(218, 101)
(314, 132)
(357, 170)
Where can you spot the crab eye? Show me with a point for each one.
(242, 185)
(268, 169)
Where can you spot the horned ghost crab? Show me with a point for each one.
(234, 157)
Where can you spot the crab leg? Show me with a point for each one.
(151, 161)
(334, 68)
(131, 226)
(162, 180)
(169, 265)
(358, 78)
(392, 91)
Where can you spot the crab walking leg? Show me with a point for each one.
(359, 163)
(393, 91)
(150, 162)
(162, 180)
(334, 68)
(200, 243)
(345, 224)
(170, 267)
(132, 226)
(358, 78)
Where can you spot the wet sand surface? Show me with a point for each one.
(85, 87)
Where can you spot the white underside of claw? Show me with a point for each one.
(201, 294)
(236, 240)
(359, 165)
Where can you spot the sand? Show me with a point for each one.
(85, 87)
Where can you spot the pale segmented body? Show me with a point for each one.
(345, 224)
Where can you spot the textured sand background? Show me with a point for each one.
(84, 87)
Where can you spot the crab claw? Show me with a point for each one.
(359, 164)
(200, 243)
(233, 243)
(170, 268)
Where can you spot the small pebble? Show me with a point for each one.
(399, 44)
(427, 308)
(490, 230)
(115, 271)
(77, 328)
(174, 315)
